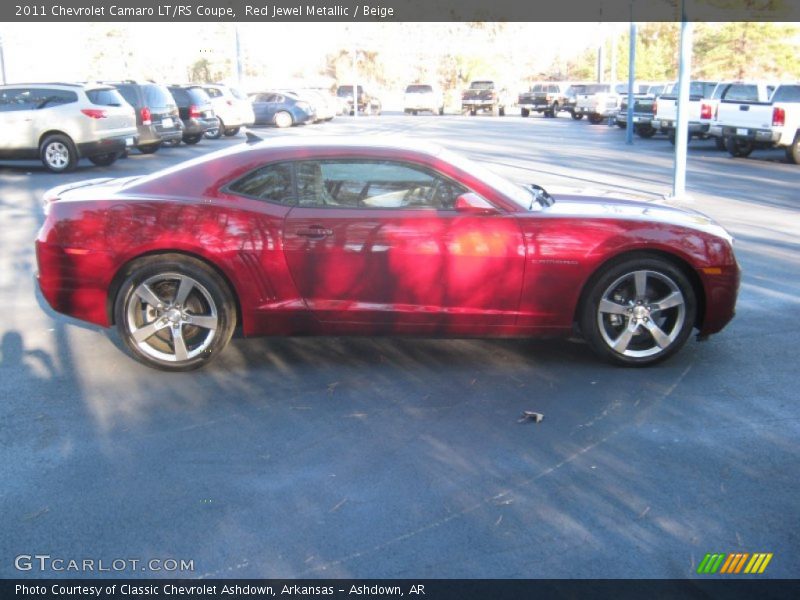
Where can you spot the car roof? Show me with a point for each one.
(58, 84)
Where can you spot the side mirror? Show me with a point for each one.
(473, 204)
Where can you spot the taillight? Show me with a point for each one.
(147, 116)
(94, 113)
(195, 112)
(705, 111)
(778, 116)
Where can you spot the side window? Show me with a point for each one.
(272, 183)
(213, 92)
(373, 184)
(48, 97)
(15, 99)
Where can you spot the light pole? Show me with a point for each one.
(682, 122)
(631, 78)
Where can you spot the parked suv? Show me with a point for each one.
(420, 97)
(196, 111)
(156, 113)
(231, 107)
(62, 122)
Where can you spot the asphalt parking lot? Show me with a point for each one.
(343, 457)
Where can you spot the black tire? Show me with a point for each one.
(621, 124)
(793, 151)
(671, 137)
(645, 132)
(554, 110)
(148, 148)
(216, 133)
(209, 297)
(615, 286)
(502, 111)
(232, 131)
(738, 148)
(473, 112)
(413, 112)
(576, 115)
(595, 119)
(192, 139)
(58, 154)
(525, 112)
(105, 160)
(441, 111)
(719, 143)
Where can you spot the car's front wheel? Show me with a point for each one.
(58, 153)
(174, 312)
(639, 311)
(283, 119)
(216, 132)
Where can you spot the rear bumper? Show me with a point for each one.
(199, 126)
(667, 125)
(596, 110)
(766, 136)
(150, 134)
(106, 145)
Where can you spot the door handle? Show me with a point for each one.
(314, 232)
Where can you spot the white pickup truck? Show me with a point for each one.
(699, 115)
(597, 101)
(746, 125)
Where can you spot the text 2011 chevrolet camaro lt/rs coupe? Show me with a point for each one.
(325, 237)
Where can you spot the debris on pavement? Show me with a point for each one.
(528, 415)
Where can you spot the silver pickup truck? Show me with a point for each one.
(747, 125)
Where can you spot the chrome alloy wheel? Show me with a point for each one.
(171, 317)
(57, 155)
(641, 314)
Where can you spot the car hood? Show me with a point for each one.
(593, 207)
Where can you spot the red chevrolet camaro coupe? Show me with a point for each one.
(325, 237)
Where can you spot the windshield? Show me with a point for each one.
(419, 89)
(481, 85)
(598, 88)
(518, 194)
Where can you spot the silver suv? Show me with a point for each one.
(60, 123)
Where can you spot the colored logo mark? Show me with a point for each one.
(731, 564)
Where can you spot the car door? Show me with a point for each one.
(380, 241)
(17, 112)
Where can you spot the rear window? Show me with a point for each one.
(347, 90)
(129, 93)
(787, 93)
(157, 96)
(198, 95)
(105, 97)
(419, 89)
(596, 89)
(741, 93)
(481, 85)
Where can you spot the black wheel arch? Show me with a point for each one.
(124, 270)
(50, 132)
(677, 261)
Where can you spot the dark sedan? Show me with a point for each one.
(333, 237)
(281, 109)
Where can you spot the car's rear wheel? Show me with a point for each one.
(639, 311)
(525, 112)
(58, 153)
(595, 119)
(216, 133)
(282, 119)
(576, 115)
(192, 139)
(645, 131)
(148, 148)
(793, 151)
(232, 131)
(174, 312)
(105, 160)
(738, 148)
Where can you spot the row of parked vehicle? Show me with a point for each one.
(60, 123)
(741, 116)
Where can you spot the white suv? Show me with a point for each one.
(231, 107)
(63, 122)
(420, 97)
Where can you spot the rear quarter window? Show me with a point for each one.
(787, 93)
(105, 97)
